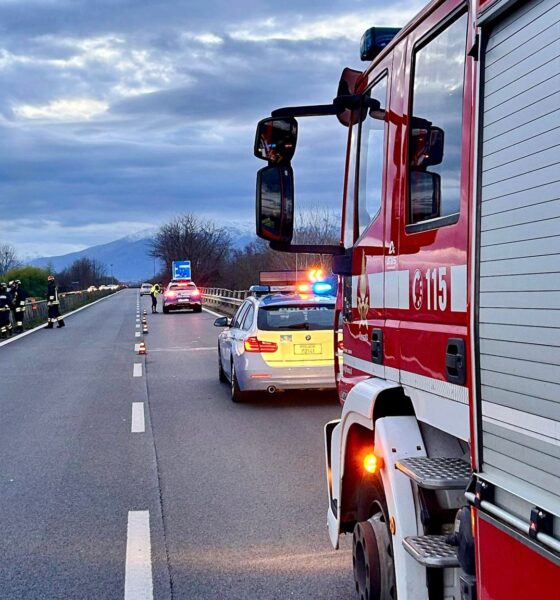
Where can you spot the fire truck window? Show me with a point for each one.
(349, 237)
(372, 152)
(435, 128)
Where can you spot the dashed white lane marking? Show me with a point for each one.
(137, 334)
(138, 584)
(136, 347)
(138, 423)
(137, 326)
(212, 312)
(137, 371)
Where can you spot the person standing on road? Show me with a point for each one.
(53, 305)
(19, 296)
(154, 293)
(5, 325)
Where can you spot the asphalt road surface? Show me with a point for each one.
(134, 477)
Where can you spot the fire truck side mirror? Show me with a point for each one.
(276, 139)
(275, 203)
(427, 143)
(425, 196)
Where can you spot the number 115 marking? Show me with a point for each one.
(436, 288)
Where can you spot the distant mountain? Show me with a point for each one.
(130, 255)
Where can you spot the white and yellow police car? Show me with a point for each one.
(279, 341)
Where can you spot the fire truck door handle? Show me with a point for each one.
(455, 367)
(377, 346)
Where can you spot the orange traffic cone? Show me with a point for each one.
(142, 348)
(145, 328)
(145, 312)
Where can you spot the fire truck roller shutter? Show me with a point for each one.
(519, 260)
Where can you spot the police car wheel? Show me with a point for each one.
(221, 373)
(165, 310)
(236, 393)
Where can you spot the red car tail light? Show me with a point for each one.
(253, 344)
(195, 294)
(170, 294)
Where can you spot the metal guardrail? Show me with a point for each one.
(227, 301)
(36, 310)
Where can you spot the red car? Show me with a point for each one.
(180, 295)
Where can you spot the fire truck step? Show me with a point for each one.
(431, 551)
(437, 473)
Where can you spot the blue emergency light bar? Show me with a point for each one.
(322, 287)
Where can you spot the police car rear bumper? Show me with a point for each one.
(259, 378)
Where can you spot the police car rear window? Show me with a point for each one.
(306, 317)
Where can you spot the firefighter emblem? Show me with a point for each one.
(363, 295)
(417, 290)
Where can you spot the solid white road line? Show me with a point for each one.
(137, 371)
(138, 423)
(138, 584)
(25, 333)
(212, 312)
(207, 348)
(137, 334)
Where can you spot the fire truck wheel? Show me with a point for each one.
(372, 557)
(221, 373)
(236, 394)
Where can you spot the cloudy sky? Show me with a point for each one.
(118, 114)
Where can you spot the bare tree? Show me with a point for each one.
(202, 242)
(316, 226)
(82, 273)
(8, 258)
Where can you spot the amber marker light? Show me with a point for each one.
(372, 463)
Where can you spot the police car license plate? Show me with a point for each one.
(307, 348)
(183, 299)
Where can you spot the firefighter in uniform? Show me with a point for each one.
(19, 296)
(53, 305)
(5, 325)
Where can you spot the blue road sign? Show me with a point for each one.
(181, 269)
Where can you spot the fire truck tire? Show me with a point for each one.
(221, 373)
(372, 553)
(236, 394)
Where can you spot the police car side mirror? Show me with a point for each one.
(222, 322)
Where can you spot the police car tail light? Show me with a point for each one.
(195, 294)
(170, 294)
(253, 344)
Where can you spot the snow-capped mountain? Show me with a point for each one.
(129, 256)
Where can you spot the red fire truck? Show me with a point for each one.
(445, 463)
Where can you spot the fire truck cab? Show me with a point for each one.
(445, 463)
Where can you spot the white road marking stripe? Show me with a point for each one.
(137, 326)
(138, 584)
(42, 326)
(137, 334)
(138, 423)
(212, 312)
(137, 371)
(206, 348)
(136, 347)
